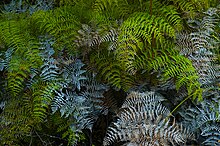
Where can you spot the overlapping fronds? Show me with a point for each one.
(21, 6)
(204, 119)
(15, 34)
(13, 126)
(81, 102)
(73, 74)
(142, 121)
(42, 84)
(112, 70)
(115, 9)
(61, 23)
(5, 58)
(200, 47)
(145, 26)
(80, 97)
(168, 12)
(189, 7)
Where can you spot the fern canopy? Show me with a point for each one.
(98, 72)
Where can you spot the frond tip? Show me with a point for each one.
(142, 121)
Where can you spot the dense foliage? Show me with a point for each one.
(109, 72)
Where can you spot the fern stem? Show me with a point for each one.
(151, 7)
(178, 105)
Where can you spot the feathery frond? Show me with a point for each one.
(204, 119)
(142, 121)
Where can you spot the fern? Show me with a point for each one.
(5, 59)
(111, 70)
(144, 26)
(200, 46)
(61, 23)
(141, 121)
(49, 70)
(80, 97)
(204, 119)
(21, 6)
(13, 127)
(73, 74)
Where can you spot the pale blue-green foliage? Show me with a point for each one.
(202, 46)
(143, 120)
(20, 6)
(74, 74)
(15, 6)
(46, 47)
(80, 99)
(5, 57)
(82, 104)
(204, 120)
(49, 70)
(2, 105)
(79, 96)
(41, 5)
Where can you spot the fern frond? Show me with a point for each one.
(74, 74)
(85, 106)
(49, 70)
(5, 58)
(199, 47)
(142, 25)
(213, 134)
(142, 120)
(184, 6)
(112, 70)
(169, 12)
(14, 124)
(61, 23)
(205, 120)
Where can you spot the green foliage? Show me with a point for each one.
(61, 23)
(111, 70)
(57, 58)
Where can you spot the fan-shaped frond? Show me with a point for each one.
(204, 119)
(142, 121)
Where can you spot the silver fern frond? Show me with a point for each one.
(143, 120)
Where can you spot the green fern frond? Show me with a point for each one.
(111, 10)
(185, 6)
(11, 34)
(14, 124)
(17, 72)
(111, 70)
(42, 94)
(142, 25)
(61, 23)
(102, 5)
(171, 14)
